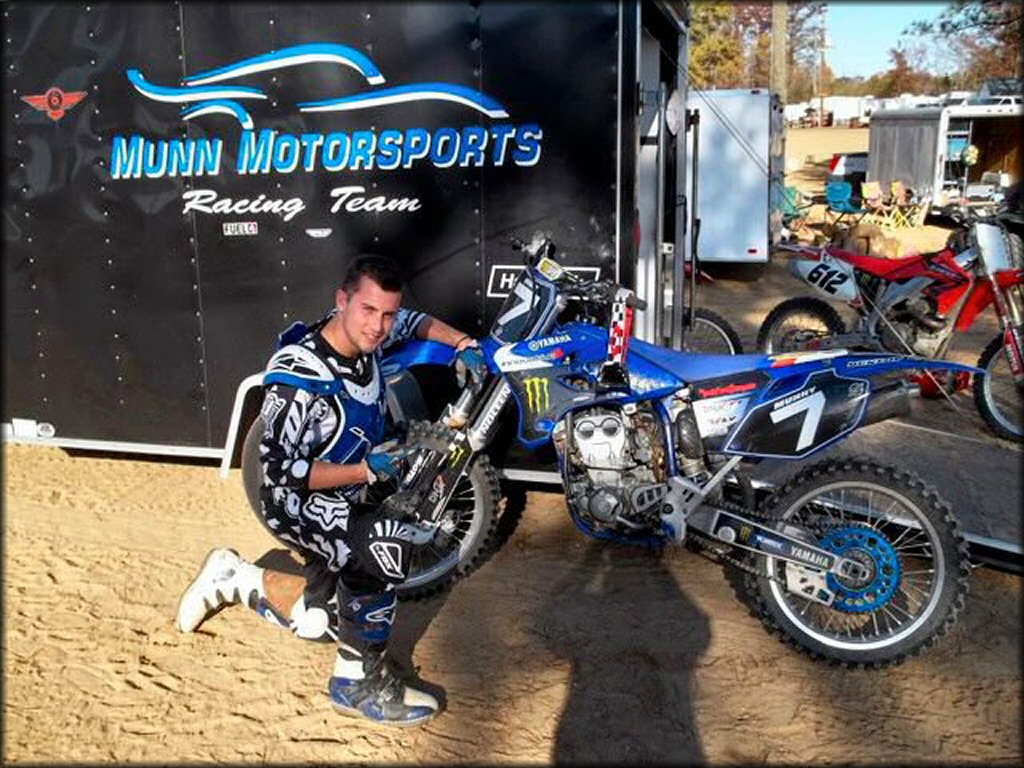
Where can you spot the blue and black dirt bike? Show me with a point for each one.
(849, 560)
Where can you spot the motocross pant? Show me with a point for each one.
(354, 558)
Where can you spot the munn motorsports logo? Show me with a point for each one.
(266, 152)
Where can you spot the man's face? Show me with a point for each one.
(367, 315)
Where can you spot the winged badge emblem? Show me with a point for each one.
(55, 102)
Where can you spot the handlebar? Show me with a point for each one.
(603, 291)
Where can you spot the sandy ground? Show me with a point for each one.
(558, 649)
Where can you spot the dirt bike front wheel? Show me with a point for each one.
(915, 558)
(998, 397)
(711, 334)
(467, 528)
(797, 323)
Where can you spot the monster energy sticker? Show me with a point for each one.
(538, 397)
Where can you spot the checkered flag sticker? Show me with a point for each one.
(621, 327)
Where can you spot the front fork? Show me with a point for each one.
(1011, 316)
(431, 480)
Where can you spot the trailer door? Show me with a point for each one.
(905, 147)
(660, 172)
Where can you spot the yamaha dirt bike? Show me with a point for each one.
(915, 305)
(849, 560)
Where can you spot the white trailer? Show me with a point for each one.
(740, 171)
(922, 147)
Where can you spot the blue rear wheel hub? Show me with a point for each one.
(874, 552)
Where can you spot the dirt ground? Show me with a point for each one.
(558, 649)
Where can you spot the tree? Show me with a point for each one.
(716, 48)
(731, 44)
(906, 75)
(759, 61)
(984, 36)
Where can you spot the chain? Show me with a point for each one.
(718, 551)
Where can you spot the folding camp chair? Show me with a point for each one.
(880, 210)
(909, 209)
(838, 204)
(794, 209)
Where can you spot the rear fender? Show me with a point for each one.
(812, 406)
(866, 364)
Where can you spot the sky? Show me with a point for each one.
(860, 34)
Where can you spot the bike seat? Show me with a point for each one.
(689, 366)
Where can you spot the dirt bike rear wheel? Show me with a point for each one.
(464, 540)
(896, 525)
(999, 399)
(796, 322)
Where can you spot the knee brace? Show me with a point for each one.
(382, 548)
(312, 622)
(314, 615)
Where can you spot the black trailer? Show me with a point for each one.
(184, 180)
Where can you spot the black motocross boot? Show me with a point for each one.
(361, 683)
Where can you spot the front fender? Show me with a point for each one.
(867, 364)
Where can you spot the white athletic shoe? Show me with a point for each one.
(215, 586)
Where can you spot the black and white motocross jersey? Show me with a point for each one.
(320, 405)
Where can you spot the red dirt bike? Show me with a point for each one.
(914, 305)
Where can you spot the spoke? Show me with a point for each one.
(888, 626)
(907, 532)
(901, 610)
(917, 553)
(827, 510)
(828, 623)
(874, 622)
(886, 612)
(916, 577)
(912, 585)
(918, 537)
(899, 538)
(888, 512)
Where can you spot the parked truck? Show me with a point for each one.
(927, 148)
(186, 180)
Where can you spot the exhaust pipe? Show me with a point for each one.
(887, 402)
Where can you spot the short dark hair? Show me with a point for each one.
(381, 269)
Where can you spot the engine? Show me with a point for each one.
(913, 325)
(616, 466)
